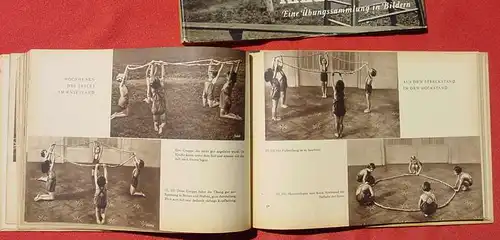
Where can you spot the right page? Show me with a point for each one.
(369, 138)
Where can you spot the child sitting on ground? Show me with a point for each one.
(427, 202)
(364, 193)
(464, 180)
(415, 166)
(365, 173)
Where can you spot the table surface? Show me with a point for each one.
(76, 24)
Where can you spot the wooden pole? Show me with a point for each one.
(327, 6)
(354, 14)
(394, 18)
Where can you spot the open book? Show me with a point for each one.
(212, 140)
(236, 20)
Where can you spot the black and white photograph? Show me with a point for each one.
(195, 93)
(235, 20)
(110, 181)
(318, 95)
(414, 180)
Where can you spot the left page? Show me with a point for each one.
(136, 139)
(4, 112)
(10, 191)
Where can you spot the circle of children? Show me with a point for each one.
(100, 180)
(155, 79)
(427, 203)
(278, 80)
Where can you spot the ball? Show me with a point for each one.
(373, 72)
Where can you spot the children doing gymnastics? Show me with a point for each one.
(158, 106)
(123, 101)
(364, 192)
(323, 63)
(427, 202)
(464, 180)
(139, 164)
(365, 173)
(101, 193)
(50, 185)
(368, 88)
(227, 91)
(339, 109)
(280, 75)
(415, 166)
(45, 157)
(208, 90)
(96, 154)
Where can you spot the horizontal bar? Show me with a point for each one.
(307, 29)
(338, 22)
(388, 15)
(340, 2)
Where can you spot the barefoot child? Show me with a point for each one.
(226, 92)
(427, 202)
(283, 84)
(158, 106)
(101, 194)
(208, 90)
(275, 93)
(123, 101)
(368, 89)
(46, 156)
(50, 184)
(364, 192)
(323, 63)
(139, 164)
(339, 109)
(96, 155)
(365, 173)
(464, 180)
(415, 166)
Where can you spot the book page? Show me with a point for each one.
(137, 139)
(367, 138)
(10, 218)
(4, 112)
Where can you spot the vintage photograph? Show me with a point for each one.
(414, 180)
(178, 93)
(234, 20)
(110, 181)
(317, 95)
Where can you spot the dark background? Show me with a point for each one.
(453, 25)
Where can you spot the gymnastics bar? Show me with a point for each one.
(236, 29)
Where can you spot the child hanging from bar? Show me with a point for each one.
(368, 89)
(227, 91)
(283, 82)
(45, 157)
(415, 166)
(48, 167)
(209, 86)
(275, 93)
(339, 109)
(139, 165)
(323, 63)
(427, 202)
(101, 193)
(96, 154)
(158, 106)
(123, 101)
(464, 180)
(152, 76)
